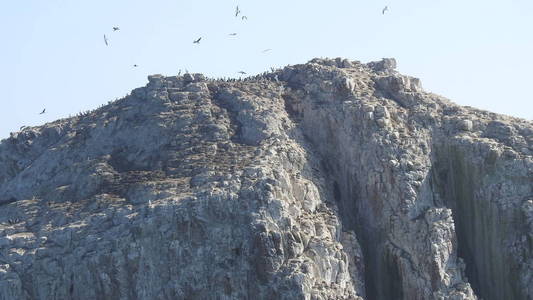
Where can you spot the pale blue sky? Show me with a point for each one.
(53, 56)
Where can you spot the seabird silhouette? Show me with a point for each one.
(116, 28)
(244, 18)
(237, 11)
(42, 111)
(13, 221)
(386, 8)
(242, 72)
(233, 34)
(105, 40)
(197, 41)
(266, 50)
(135, 65)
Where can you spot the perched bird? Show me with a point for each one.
(197, 41)
(233, 34)
(13, 221)
(266, 50)
(386, 8)
(42, 111)
(237, 11)
(105, 40)
(242, 72)
(116, 29)
(244, 18)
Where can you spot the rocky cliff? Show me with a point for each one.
(327, 180)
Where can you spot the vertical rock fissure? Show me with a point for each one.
(480, 233)
(382, 276)
(381, 273)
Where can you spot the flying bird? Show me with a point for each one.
(237, 11)
(233, 34)
(266, 50)
(42, 111)
(197, 41)
(105, 40)
(116, 28)
(242, 72)
(386, 8)
(244, 18)
(135, 66)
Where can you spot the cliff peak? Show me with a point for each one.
(332, 179)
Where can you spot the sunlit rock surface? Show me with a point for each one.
(327, 180)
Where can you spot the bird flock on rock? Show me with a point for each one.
(238, 13)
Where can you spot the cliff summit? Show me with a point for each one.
(332, 179)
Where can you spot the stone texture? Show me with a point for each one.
(327, 180)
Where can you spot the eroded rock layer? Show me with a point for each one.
(326, 180)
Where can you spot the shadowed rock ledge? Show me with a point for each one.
(327, 180)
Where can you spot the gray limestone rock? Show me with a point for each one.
(326, 180)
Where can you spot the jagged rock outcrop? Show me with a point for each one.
(326, 180)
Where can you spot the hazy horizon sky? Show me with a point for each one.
(53, 56)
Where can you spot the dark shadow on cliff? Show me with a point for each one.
(381, 271)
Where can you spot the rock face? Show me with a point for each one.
(326, 180)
